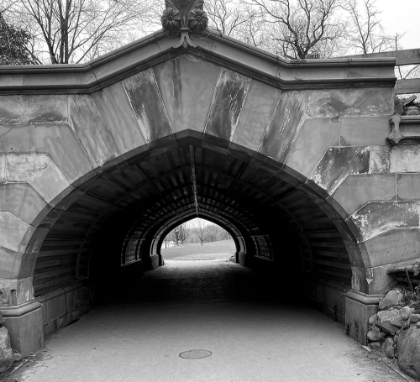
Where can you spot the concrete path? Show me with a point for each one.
(254, 335)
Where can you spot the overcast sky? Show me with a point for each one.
(399, 16)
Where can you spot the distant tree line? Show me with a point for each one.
(202, 232)
(76, 31)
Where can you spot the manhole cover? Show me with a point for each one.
(195, 354)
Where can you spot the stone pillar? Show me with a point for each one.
(22, 315)
(359, 307)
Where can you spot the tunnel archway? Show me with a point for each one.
(126, 210)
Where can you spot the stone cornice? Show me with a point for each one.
(162, 45)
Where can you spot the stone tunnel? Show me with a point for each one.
(99, 161)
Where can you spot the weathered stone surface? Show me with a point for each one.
(6, 352)
(408, 350)
(392, 298)
(228, 100)
(373, 319)
(377, 218)
(388, 348)
(90, 129)
(146, 101)
(393, 246)
(337, 164)
(408, 186)
(364, 131)
(357, 190)
(375, 334)
(405, 158)
(314, 138)
(350, 102)
(12, 230)
(414, 318)
(256, 115)
(389, 321)
(21, 200)
(61, 144)
(39, 171)
(284, 127)
(405, 312)
(187, 85)
(379, 160)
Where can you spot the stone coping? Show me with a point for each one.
(20, 310)
(364, 298)
(210, 45)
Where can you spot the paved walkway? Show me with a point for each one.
(216, 306)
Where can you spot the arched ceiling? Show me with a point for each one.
(146, 195)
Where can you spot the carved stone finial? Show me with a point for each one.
(184, 15)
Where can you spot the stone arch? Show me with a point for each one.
(88, 146)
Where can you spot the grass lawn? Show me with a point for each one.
(218, 250)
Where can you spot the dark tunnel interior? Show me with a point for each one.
(112, 230)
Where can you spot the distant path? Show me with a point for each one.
(254, 335)
(218, 250)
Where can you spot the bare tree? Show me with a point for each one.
(201, 233)
(184, 230)
(229, 17)
(303, 28)
(366, 33)
(73, 31)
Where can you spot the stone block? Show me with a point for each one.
(359, 307)
(63, 321)
(25, 327)
(227, 103)
(378, 217)
(15, 195)
(187, 85)
(39, 171)
(90, 130)
(61, 144)
(56, 307)
(379, 160)
(314, 138)
(339, 162)
(364, 131)
(284, 127)
(405, 158)
(357, 190)
(12, 231)
(79, 312)
(50, 329)
(146, 101)
(408, 186)
(393, 246)
(71, 300)
(114, 107)
(256, 114)
(82, 296)
(350, 102)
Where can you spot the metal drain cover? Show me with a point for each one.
(195, 354)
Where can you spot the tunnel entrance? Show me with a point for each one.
(115, 225)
